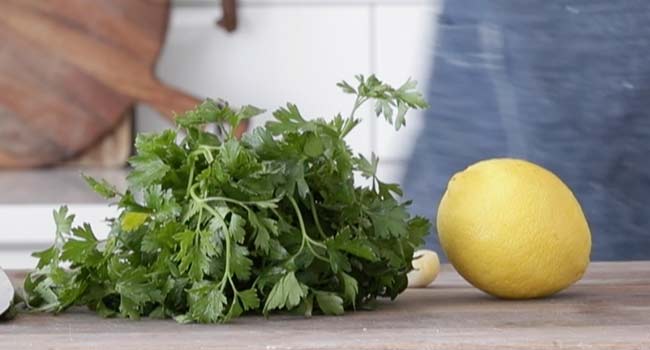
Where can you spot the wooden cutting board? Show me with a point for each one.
(607, 309)
(69, 69)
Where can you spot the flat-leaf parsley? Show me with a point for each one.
(211, 227)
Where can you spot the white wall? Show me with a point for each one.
(297, 50)
(283, 50)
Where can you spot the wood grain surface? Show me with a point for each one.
(608, 309)
(112, 150)
(69, 69)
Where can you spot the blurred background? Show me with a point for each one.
(275, 51)
(561, 83)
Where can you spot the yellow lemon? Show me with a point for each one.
(513, 229)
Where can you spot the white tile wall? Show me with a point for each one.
(283, 50)
(403, 48)
(278, 54)
(211, 3)
(32, 229)
(297, 51)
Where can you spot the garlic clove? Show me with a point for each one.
(6, 292)
(426, 266)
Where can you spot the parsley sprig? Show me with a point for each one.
(212, 227)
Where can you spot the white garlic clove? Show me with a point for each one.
(426, 267)
(6, 292)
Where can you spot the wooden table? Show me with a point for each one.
(608, 309)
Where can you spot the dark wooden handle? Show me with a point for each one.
(228, 20)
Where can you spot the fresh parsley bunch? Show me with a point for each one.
(213, 227)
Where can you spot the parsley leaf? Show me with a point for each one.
(206, 302)
(147, 169)
(212, 227)
(131, 221)
(388, 218)
(249, 299)
(101, 187)
(329, 303)
(286, 293)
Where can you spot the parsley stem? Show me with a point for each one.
(191, 177)
(231, 132)
(242, 204)
(277, 214)
(305, 238)
(351, 121)
(357, 103)
(313, 213)
(300, 221)
(224, 199)
(226, 272)
(374, 181)
(316, 255)
(198, 222)
(201, 201)
(227, 200)
(208, 147)
(203, 150)
(316, 243)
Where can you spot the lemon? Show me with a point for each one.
(513, 229)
